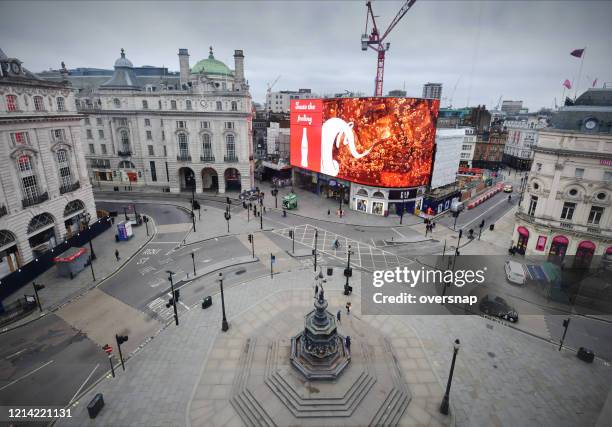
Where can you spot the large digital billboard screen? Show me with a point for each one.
(386, 142)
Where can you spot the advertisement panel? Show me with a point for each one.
(386, 142)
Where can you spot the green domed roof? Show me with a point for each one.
(211, 66)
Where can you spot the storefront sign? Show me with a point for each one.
(541, 243)
(605, 162)
(402, 194)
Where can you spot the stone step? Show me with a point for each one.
(401, 408)
(269, 422)
(382, 412)
(250, 412)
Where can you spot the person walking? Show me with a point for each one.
(338, 315)
(117, 254)
(348, 308)
(316, 290)
(328, 212)
(347, 341)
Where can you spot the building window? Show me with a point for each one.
(92, 149)
(229, 125)
(145, 105)
(159, 104)
(180, 124)
(219, 106)
(87, 122)
(20, 138)
(99, 121)
(188, 104)
(39, 104)
(149, 135)
(29, 183)
(163, 135)
(61, 104)
(206, 146)
(607, 177)
(230, 145)
(204, 125)
(89, 134)
(122, 121)
(64, 169)
(595, 215)
(183, 145)
(117, 103)
(58, 135)
(533, 204)
(100, 134)
(151, 152)
(147, 122)
(11, 102)
(538, 167)
(579, 173)
(173, 105)
(125, 140)
(103, 146)
(568, 210)
(153, 171)
(165, 151)
(234, 106)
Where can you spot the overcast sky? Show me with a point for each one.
(487, 49)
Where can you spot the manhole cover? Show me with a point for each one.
(239, 272)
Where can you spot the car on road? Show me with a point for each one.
(508, 188)
(457, 206)
(515, 272)
(499, 307)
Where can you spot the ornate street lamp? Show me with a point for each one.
(445, 401)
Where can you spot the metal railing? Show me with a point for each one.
(230, 159)
(31, 201)
(3, 211)
(207, 159)
(591, 229)
(124, 153)
(183, 157)
(70, 187)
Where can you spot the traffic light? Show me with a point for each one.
(291, 234)
(460, 233)
(273, 258)
(121, 339)
(566, 323)
(177, 294)
(229, 201)
(482, 224)
(250, 237)
(170, 303)
(39, 287)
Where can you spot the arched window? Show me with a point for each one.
(206, 147)
(61, 103)
(125, 140)
(73, 206)
(40, 221)
(183, 145)
(27, 176)
(234, 106)
(230, 146)
(126, 164)
(6, 238)
(63, 162)
(11, 102)
(117, 103)
(219, 106)
(39, 103)
(188, 104)
(173, 104)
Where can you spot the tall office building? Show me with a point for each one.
(432, 90)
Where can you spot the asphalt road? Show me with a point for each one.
(46, 362)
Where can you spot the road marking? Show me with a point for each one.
(398, 232)
(183, 304)
(142, 260)
(484, 213)
(82, 385)
(165, 261)
(15, 354)
(26, 375)
(146, 270)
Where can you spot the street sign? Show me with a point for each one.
(108, 349)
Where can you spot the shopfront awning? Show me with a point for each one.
(523, 231)
(275, 166)
(586, 244)
(561, 240)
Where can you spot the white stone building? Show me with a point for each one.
(197, 136)
(522, 137)
(467, 148)
(45, 194)
(566, 209)
(280, 102)
(448, 154)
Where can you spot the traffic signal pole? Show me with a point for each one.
(37, 297)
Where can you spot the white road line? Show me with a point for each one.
(484, 213)
(15, 354)
(183, 304)
(398, 233)
(26, 375)
(82, 385)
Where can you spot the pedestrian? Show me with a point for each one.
(338, 315)
(347, 341)
(316, 290)
(328, 212)
(117, 254)
(348, 308)
(433, 225)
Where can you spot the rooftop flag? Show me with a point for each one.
(594, 82)
(567, 84)
(577, 53)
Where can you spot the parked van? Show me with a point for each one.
(515, 272)
(456, 205)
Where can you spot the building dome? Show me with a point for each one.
(211, 66)
(123, 61)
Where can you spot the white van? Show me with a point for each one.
(456, 205)
(515, 273)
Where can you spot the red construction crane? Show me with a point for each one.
(375, 41)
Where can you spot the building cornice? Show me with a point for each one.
(577, 153)
(7, 119)
(172, 113)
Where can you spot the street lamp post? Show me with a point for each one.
(347, 272)
(402, 208)
(456, 215)
(314, 251)
(275, 194)
(193, 261)
(170, 273)
(444, 405)
(146, 221)
(224, 324)
(228, 216)
(125, 212)
(261, 211)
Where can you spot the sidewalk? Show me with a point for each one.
(502, 376)
(60, 291)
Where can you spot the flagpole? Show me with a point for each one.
(579, 72)
(563, 97)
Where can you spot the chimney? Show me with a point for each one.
(239, 66)
(184, 66)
